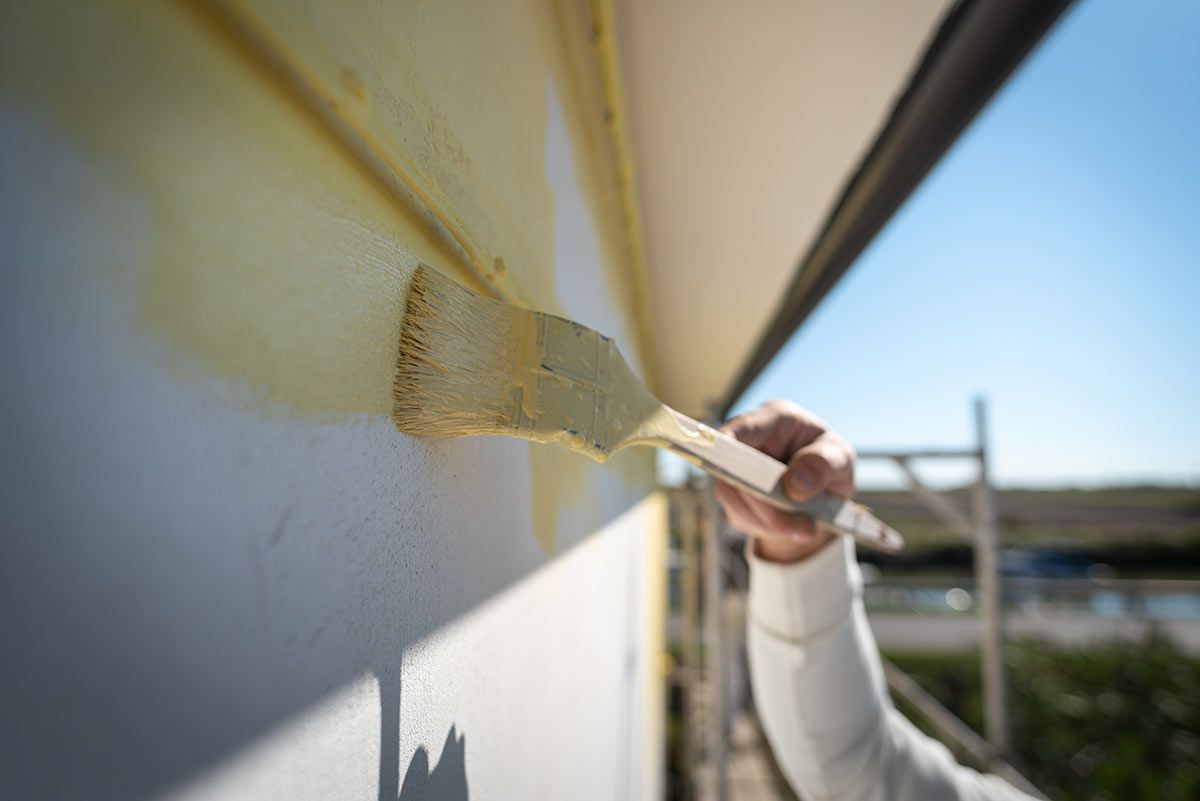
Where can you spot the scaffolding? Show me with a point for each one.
(978, 529)
(705, 658)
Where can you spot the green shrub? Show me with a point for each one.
(1119, 721)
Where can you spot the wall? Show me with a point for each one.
(224, 574)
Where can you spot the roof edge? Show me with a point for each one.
(977, 47)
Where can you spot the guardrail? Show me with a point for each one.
(953, 731)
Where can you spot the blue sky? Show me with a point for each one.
(1051, 262)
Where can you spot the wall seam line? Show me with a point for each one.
(604, 46)
(414, 190)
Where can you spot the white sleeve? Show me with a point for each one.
(822, 698)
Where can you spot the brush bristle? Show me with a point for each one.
(454, 373)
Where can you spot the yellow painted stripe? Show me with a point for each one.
(605, 46)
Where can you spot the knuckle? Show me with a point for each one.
(782, 406)
(843, 446)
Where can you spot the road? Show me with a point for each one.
(958, 633)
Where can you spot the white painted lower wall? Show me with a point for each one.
(201, 600)
(203, 596)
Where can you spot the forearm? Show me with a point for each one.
(821, 695)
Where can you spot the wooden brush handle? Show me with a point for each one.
(750, 469)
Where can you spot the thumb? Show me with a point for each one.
(808, 473)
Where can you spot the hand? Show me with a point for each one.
(818, 460)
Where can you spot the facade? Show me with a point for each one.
(225, 574)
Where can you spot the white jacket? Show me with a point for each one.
(822, 698)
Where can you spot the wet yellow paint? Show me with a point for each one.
(455, 118)
(470, 365)
(449, 101)
(624, 174)
(571, 477)
(473, 366)
(656, 548)
(272, 263)
(275, 256)
(575, 482)
(451, 98)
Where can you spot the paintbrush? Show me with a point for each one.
(470, 365)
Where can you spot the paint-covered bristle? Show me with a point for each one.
(458, 353)
(471, 365)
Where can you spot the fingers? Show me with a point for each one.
(754, 517)
(775, 521)
(737, 510)
(817, 461)
(824, 465)
(778, 428)
(775, 428)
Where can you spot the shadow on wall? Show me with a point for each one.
(154, 640)
(185, 571)
(181, 575)
(446, 782)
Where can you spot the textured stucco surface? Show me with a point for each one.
(207, 588)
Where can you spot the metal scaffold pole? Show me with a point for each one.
(978, 527)
(689, 656)
(987, 572)
(714, 671)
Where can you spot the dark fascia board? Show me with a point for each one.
(976, 49)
